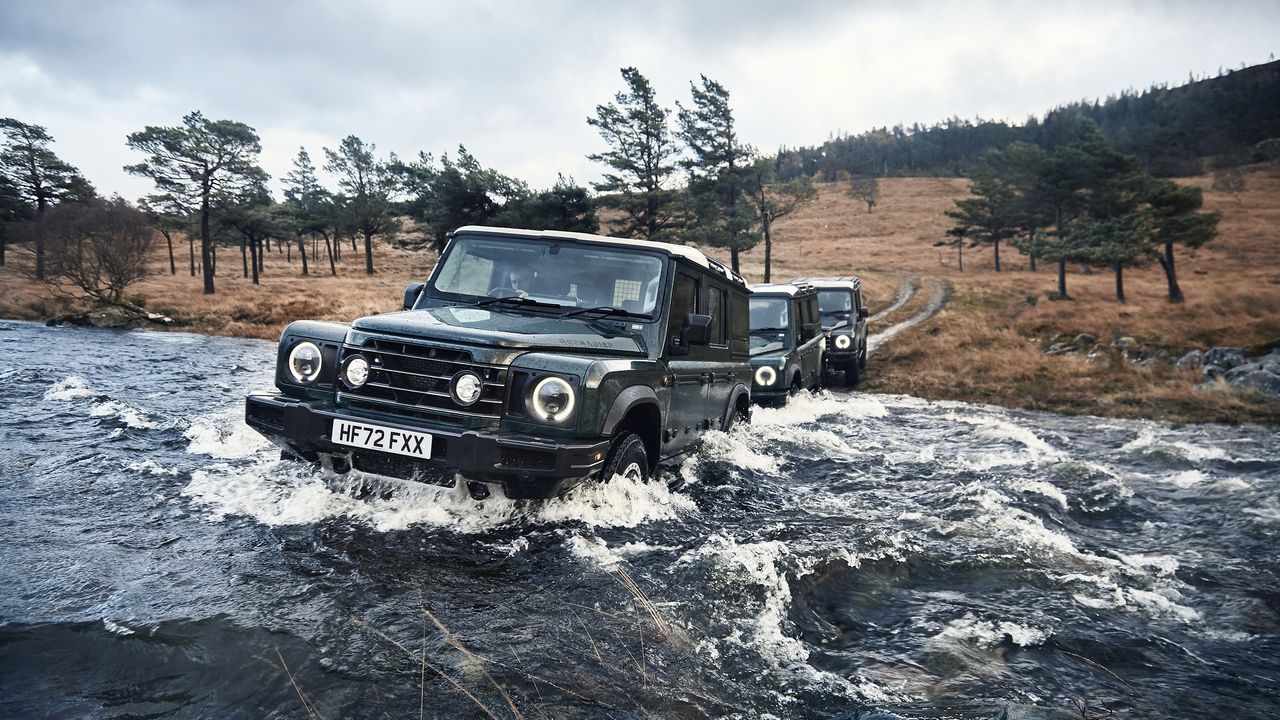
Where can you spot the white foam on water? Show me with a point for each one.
(1147, 442)
(737, 448)
(125, 413)
(1040, 487)
(991, 633)
(594, 551)
(1162, 602)
(224, 435)
(286, 493)
(1032, 450)
(151, 467)
(618, 503)
(1163, 565)
(116, 628)
(71, 387)
(807, 407)
(762, 630)
(1267, 513)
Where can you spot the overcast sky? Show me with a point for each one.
(515, 81)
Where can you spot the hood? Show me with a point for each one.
(495, 328)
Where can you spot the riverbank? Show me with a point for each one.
(987, 344)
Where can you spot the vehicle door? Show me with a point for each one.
(719, 367)
(685, 366)
(860, 328)
(809, 342)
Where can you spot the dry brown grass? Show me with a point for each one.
(986, 346)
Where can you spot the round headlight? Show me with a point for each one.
(357, 371)
(766, 376)
(843, 342)
(305, 362)
(552, 400)
(466, 388)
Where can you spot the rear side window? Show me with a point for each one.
(716, 309)
(740, 322)
(684, 301)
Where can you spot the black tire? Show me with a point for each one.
(851, 373)
(796, 387)
(627, 458)
(862, 358)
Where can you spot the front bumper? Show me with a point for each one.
(769, 396)
(526, 466)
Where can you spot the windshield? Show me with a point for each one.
(770, 324)
(835, 302)
(548, 272)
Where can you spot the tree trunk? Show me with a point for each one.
(206, 241)
(733, 257)
(960, 256)
(288, 252)
(368, 251)
(191, 244)
(3, 241)
(244, 255)
(997, 247)
(768, 245)
(302, 253)
(255, 255)
(328, 248)
(1032, 260)
(1171, 274)
(353, 242)
(168, 236)
(1120, 282)
(1062, 279)
(262, 266)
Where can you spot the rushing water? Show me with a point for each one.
(843, 553)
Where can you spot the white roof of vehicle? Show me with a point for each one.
(688, 253)
(780, 289)
(849, 282)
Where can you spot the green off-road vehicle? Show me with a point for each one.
(786, 341)
(529, 360)
(844, 321)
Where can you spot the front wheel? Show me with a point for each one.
(852, 372)
(627, 458)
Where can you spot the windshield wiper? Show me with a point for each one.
(757, 331)
(605, 311)
(516, 300)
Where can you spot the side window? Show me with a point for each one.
(684, 300)
(716, 309)
(857, 301)
(740, 314)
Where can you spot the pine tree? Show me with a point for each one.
(641, 159)
(720, 213)
(369, 185)
(1176, 220)
(35, 178)
(203, 165)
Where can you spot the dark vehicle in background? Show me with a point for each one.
(786, 341)
(529, 360)
(844, 321)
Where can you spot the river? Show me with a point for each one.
(845, 553)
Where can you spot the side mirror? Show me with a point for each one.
(697, 329)
(411, 294)
(863, 313)
(810, 330)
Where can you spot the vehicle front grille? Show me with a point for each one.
(411, 379)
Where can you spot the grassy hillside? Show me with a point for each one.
(985, 346)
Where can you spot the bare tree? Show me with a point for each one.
(867, 189)
(96, 251)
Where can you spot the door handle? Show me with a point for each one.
(707, 378)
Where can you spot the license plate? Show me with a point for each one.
(385, 439)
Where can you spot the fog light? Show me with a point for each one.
(466, 388)
(356, 372)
